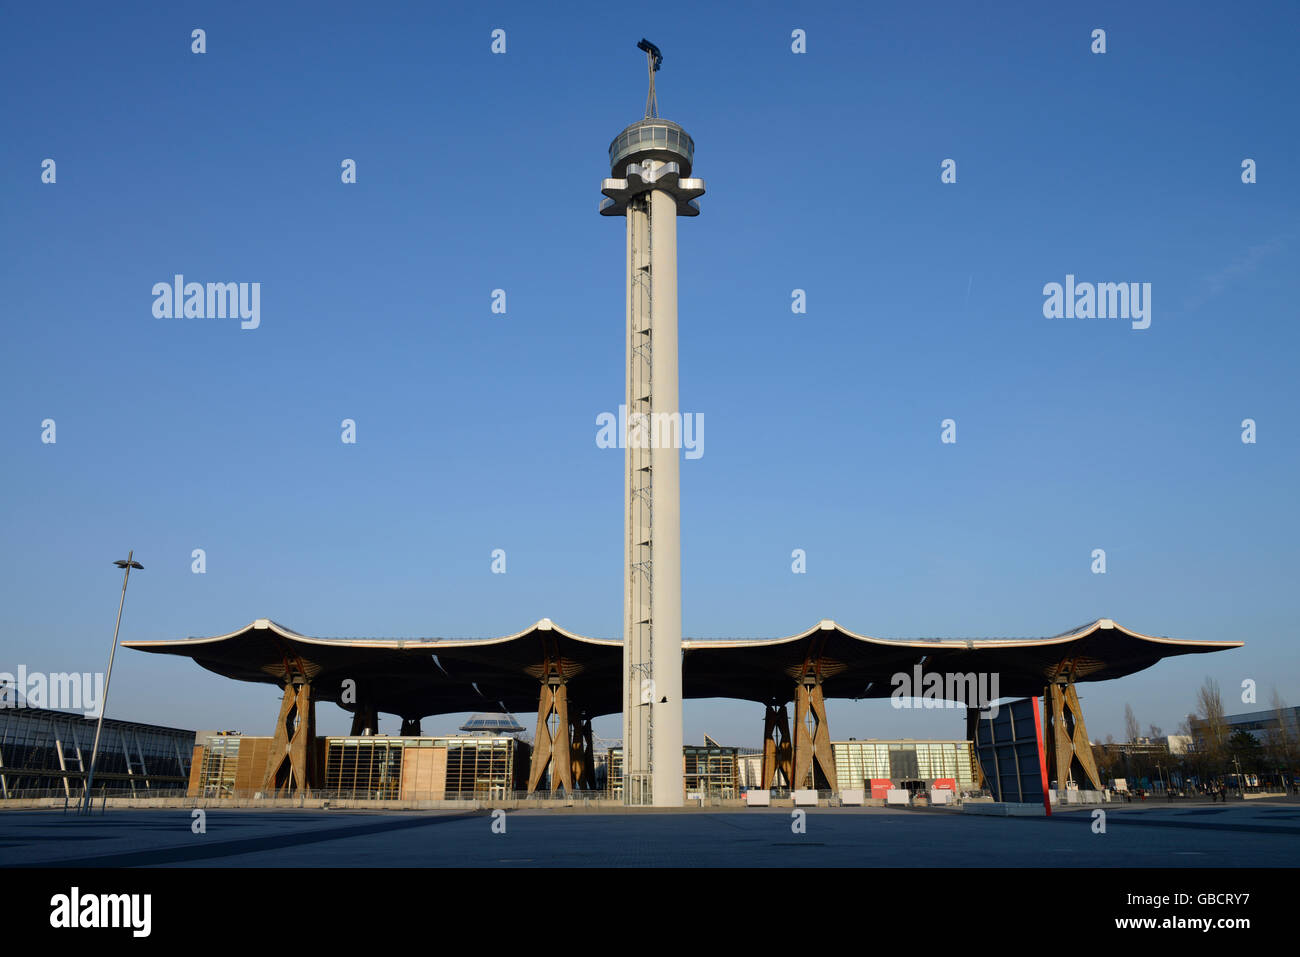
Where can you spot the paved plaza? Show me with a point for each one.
(1252, 834)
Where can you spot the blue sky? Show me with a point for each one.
(476, 431)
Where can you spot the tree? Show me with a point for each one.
(1245, 752)
(1280, 744)
(1131, 727)
(1133, 764)
(1104, 756)
(1192, 761)
(1209, 709)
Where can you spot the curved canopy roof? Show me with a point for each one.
(1097, 651)
(415, 677)
(419, 677)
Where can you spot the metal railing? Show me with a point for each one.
(388, 796)
(79, 794)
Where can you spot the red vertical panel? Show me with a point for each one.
(1042, 756)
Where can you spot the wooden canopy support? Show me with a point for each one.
(291, 766)
(553, 749)
(776, 745)
(972, 730)
(583, 751)
(814, 762)
(1069, 754)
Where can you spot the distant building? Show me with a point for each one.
(749, 767)
(1149, 762)
(1259, 724)
(904, 762)
(49, 751)
(373, 767)
(709, 770)
(1144, 746)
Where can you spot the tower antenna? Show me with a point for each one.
(653, 58)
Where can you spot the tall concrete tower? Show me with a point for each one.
(650, 184)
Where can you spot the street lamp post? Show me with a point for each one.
(126, 565)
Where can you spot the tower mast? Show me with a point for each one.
(650, 185)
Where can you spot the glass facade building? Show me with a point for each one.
(708, 771)
(379, 768)
(366, 767)
(711, 771)
(1263, 726)
(218, 764)
(857, 762)
(45, 753)
(375, 767)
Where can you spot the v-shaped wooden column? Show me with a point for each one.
(776, 746)
(1069, 753)
(812, 749)
(552, 749)
(291, 766)
(972, 731)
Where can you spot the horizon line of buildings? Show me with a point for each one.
(48, 750)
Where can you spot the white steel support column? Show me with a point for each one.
(63, 765)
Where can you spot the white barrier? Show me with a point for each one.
(1077, 796)
(941, 796)
(853, 797)
(755, 798)
(898, 796)
(805, 798)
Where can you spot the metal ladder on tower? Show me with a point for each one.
(642, 504)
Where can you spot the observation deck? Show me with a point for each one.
(651, 154)
(652, 138)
